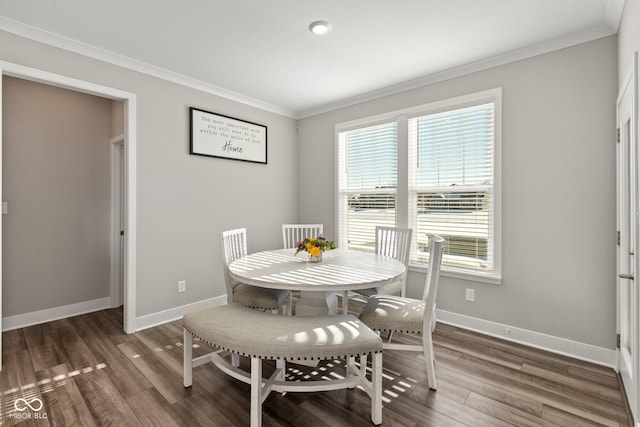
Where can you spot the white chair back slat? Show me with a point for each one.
(234, 246)
(294, 233)
(394, 242)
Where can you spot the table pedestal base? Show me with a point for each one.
(314, 303)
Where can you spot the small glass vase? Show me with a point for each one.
(315, 258)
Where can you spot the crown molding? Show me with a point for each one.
(74, 46)
(506, 58)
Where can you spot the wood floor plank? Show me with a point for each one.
(68, 345)
(167, 348)
(513, 399)
(490, 355)
(199, 409)
(539, 389)
(161, 376)
(561, 418)
(63, 402)
(505, 412)
(152, 410)
(110, 323)
(20, 382)
(13, 341)
(606, 379)
(104, 400)
(457, 411)
(229, 396)
(568, 382)
(105, 352)
(88, 372)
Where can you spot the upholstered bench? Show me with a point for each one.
(265, 336)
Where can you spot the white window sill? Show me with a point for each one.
(491, 278)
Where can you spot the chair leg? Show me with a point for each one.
(187, 348)
(427, 344)
(433, 318)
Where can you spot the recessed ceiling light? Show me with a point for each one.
(320, 27)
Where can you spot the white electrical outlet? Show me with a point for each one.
(471, 295)
(182, 286)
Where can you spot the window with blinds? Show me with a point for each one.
(433, 168)
(451, 156)
(367, 183)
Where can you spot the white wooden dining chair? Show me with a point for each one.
(294, 233)
(390, 313)
(394, 242)
(234, 246)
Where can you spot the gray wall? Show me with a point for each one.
(56, 180)
(184, 201)
(558, 190)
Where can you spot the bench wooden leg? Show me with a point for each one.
(235, 360)
(282, 365)
(187, 346)
(376, 388)
(363, 365)
(256, 392)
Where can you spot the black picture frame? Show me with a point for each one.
(217, 135)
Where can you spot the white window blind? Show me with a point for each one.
(367, 182)
(434, 168)
(451, 185)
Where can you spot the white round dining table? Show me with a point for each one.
(340, 270)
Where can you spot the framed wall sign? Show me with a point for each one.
(215, 135)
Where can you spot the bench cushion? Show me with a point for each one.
(255, 333)
(394, 313)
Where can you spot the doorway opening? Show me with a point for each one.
(124, 266)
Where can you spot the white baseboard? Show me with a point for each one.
(155, 319)
(50, 314)
(587, 352)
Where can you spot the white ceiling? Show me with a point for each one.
(262, 53)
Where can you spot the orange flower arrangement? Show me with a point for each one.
(314, 245)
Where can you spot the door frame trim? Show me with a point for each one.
(630, 82)
(117, 204)
(130, 172)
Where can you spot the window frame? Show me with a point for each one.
(402, 117)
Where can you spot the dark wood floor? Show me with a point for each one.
(87, 372)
